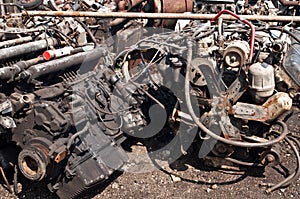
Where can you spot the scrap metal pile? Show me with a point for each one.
(74, 89)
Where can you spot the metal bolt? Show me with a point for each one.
(221, 148)
(270, 158)
(232, 58)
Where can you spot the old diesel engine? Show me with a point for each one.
(75, 90)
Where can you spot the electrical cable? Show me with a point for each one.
(289, 179)
(280, 29)
(92, 37)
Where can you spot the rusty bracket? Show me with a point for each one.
(237, 88)
(249, 112)
(7, 122)
(6, 107)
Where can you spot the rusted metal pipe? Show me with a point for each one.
(5, 180)
(15, 51)
(2, 9)
(84, 58)
(171, 6)
(289, 3)
(153, 15)
(13, 42)
(9, 72)
(133, 3)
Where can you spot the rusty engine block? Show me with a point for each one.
(81, 78)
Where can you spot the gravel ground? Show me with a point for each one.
(186, 178)
(193, 182)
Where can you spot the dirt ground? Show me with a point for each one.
(194, 181)
(186, 178)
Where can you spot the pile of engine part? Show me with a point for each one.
(81, 78)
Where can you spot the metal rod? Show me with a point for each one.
(153, 15)
(15, 51)
(2, 9)
(15, 179)
(13, 42)
(5, 180)
(289, 3)
(84, 58)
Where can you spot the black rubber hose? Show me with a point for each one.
(64, 35)
(297, 174)
(92, 37)
(212, 134)
(74, 136)
(29, 5)
(291, 177)
(52, 5)
(197, 38)
(283, 30)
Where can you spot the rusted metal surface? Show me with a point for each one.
(290, 2)
(250, 112)
(267, 112)
(73, 87)
(153, 15)
(277, 105)
(170, 6)
(179, 6)
(122, 5)
(15, 41)
(14, 51)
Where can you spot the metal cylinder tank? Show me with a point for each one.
(170, 6)
(261, 80)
